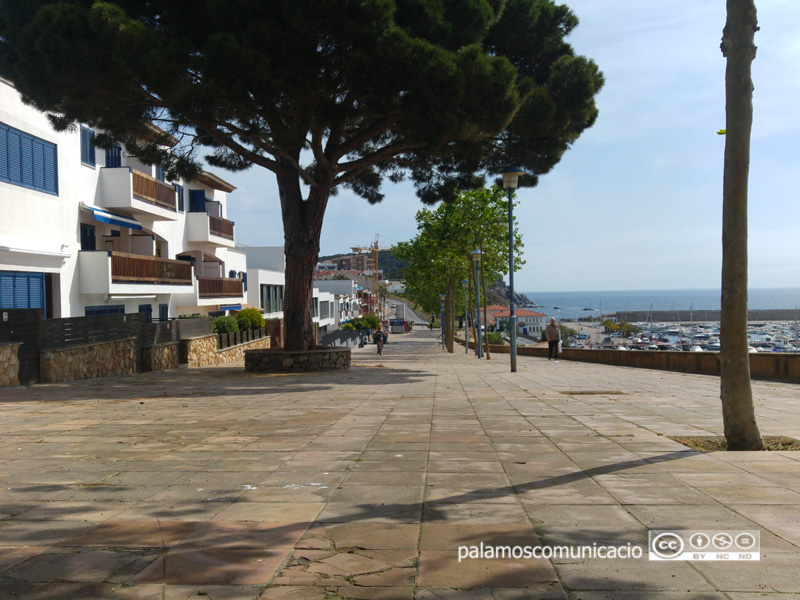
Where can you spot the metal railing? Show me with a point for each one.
(220, 287)
(149, 269)
(221, 227)
(154, 191)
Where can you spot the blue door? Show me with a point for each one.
(114, 157)
(147, 311)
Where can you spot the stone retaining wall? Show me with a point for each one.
(773, 366)
(284, 361)
(88, 362)
(202, 351)
(9, 364)
(160, 358)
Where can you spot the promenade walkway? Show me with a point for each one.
(225, 485)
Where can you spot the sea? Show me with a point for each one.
(566, 305)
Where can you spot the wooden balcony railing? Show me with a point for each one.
(149, 269)
(154, 191)
(221, 227)
(220, 287)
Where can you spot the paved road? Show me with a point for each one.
(220, 484)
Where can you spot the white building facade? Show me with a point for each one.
(88, 231)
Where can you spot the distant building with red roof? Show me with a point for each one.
(529, 323)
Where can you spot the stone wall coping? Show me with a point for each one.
(199, 337)
(161, 345)
(320, 349)
(92, 345)
(11, 343)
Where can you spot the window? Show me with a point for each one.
(28, 161)
(87, 147)
(21, 290)
(160, 173)
(179, 194)
(272, 298)
(163, 312)
(315, 308)
(324, 310)
(147, 311)
(114, 157)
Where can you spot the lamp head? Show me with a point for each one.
(511, 177)
(476, 255)
(465, 283)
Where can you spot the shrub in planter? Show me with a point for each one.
(495, 338)
(249, 318)
(348, 327)
(224, 325)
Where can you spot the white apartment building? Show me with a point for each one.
(346, 301)
(87, 231)
(266, 267)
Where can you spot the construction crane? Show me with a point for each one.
(374, 247)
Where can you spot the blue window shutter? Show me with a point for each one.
(159, 172)
(26, 142)
(36, 290)
(50, 168)
(38, 165)
(197, 201)
(6, 290)
(21, 293)
(232, 274)
(3, 153)
(244, 280)
(14, 157)
(114, 157)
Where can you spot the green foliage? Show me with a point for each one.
(495, 338)
(392, 266)
(330, 95)
(348, 327)
(369, 322)
(339, 277)
(249, 318)
(224, 325)
(439, 256)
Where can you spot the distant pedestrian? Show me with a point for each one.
(378, 338)
(553, 333)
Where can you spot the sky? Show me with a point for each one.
(636, 203)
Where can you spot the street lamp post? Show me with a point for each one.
(441, 315)
(476, 256)
(465, 283)
(510, 181)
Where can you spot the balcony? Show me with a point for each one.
(120, 273)
(131, 192)
(220, 287)
(148, 269)
(208, 229)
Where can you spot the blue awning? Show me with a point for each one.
(102, 215)
(230, 307)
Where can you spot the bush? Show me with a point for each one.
(249, 318)
(495, 339)
(348, 327)
(370, 322)
(224, 325)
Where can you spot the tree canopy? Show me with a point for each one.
(326, 95)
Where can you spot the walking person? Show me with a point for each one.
(378, 338)
(553, 333)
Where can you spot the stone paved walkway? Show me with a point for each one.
(227, 485)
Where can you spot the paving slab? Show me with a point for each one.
(372, 483)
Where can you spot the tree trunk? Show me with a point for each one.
(473, 285)
(302, 227)
(485, 319)
(449, 310)
(738, 47)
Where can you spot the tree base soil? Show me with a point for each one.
(711, 443)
